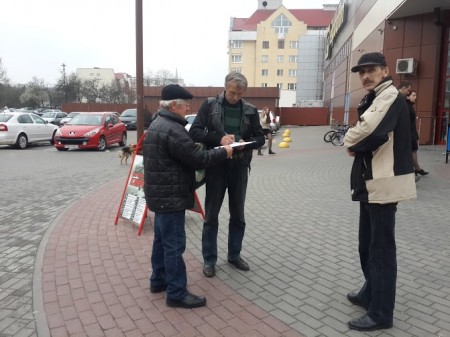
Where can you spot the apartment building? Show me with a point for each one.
(267, 49)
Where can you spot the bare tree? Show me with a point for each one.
(3, 77)
(36, 94)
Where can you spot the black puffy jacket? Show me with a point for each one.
(170, 159)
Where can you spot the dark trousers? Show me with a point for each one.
(232, 175)
(169, 243)
(377, 252)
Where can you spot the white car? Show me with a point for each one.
(22, 128)
(190, 119)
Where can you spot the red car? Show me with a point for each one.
(91, 130)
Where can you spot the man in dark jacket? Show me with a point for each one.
(382, 175)
(220, 121)
(170, 160)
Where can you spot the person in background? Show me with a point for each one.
(411, 100)
(223, 120)
(404, 87)
(382, 175)
(170, 159)
(265, 118)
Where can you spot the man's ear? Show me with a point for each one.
(386, 72)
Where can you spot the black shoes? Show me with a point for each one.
(239, 264)
(158, 289)
(421, 172)
(188, 302)
(271, 152)
(365, 323)
(353, 299)
(260, 153)
(209, 270)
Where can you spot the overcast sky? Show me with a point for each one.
(37, 37)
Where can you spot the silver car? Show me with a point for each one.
(22, 128)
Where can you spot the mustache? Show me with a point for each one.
(367, 82)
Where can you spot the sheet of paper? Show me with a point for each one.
(237, 144)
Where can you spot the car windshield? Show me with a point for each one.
(73, 114)
(49, 114)
(129, 113)
(84, 119)
(5, 117)
(190, 119)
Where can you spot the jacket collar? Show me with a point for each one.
(172, 116)
(386, 82)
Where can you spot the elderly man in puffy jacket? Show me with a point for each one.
(170, 159)
(382, 175)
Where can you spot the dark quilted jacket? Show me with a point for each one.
(170, 159)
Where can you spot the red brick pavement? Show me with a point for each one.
(95, 281)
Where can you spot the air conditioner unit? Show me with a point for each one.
(406, 66)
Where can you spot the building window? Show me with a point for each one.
(293, 58)
(281, 24)
(292, 72)
(280, 58)
(279, 72)
(265, 72)
(236, 70)
(236, 58)
(293, 44)
(265, 44)
(265, 59)
(292, 86)
(280, 85)
(280, 44)
(236, 44)
(264, 85)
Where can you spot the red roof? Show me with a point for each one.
(311, 17)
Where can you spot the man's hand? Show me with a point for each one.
(240, 148)
(229, 151)
(227, 140)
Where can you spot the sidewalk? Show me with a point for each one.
(91, 278)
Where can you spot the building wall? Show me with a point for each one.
(105, 75)
(265, 32)
(310, 68)
(368, 30)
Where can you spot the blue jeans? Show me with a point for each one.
(231, 175)
(377, 252)
(169, 244)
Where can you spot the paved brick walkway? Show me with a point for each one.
(91, 277)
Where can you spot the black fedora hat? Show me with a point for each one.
(370, 59)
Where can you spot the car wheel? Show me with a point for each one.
(52, 141)
(124, 140)
(22, 141)
(62, 149)
(102, 144)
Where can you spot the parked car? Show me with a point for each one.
(22, 128)
(190, 119)
(68, 118)
(93, 130)
(129, 118)
(53, 116)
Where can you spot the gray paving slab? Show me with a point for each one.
(301, 241)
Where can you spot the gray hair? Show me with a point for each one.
(166, 104)
(238, 78)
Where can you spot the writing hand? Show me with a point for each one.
(227, 140)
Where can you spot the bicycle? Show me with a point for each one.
(328, 137)
(337, 139)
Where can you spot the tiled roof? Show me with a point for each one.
(311, 17)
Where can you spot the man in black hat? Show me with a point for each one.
(170, 159)
(382, 175)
